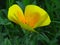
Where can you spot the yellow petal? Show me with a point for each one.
(36, 16)
(15, 14)
(31, 15)
(46, 21)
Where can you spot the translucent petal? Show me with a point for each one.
(36, 16)
(46, 21)
(15, 14)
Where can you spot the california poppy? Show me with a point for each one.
(33, 17)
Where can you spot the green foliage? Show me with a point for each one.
(13, 34)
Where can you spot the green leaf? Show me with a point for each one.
(9, 3)
(27, 2)
(7, 42)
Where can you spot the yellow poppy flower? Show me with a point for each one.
(33, 17)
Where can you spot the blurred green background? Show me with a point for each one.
(13, 34)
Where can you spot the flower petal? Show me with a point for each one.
(27, 27)
(36, 16)
(15, 14)
(46, 21)
(31, 15)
